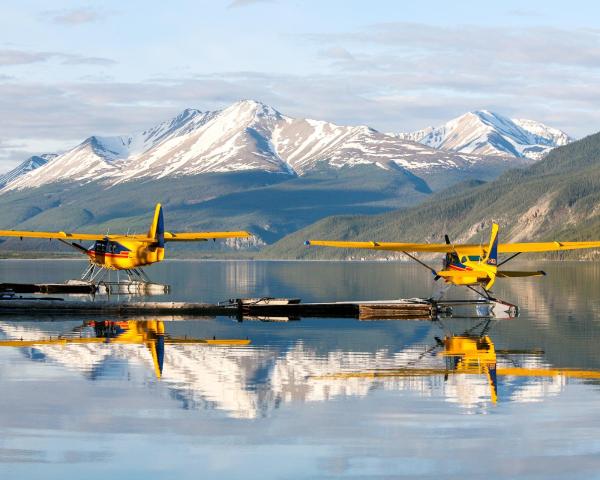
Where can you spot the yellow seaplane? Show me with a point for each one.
(125, 252)
(469, 265)
(150, 333)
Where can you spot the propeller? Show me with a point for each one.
(450, 256)
(447, 258)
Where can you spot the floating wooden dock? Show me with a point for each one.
(361, 310)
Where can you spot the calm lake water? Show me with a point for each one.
(315, 398)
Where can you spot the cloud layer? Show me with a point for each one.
(394, 76)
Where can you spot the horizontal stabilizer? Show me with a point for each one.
(512, 273)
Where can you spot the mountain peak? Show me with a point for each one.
(489, 133)
(252, 108)
(109, 148)
(187, 114)
(27, 166)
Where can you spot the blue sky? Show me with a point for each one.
(71, 69)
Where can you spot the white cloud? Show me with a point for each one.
(73, 17)
(10, 57)
(514, 45)
(245, 3)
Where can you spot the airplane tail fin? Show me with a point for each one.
(157, 228)
(491, 256)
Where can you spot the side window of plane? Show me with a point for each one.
(463, 259)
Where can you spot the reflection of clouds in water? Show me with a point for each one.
(535, 389)
(249, 382)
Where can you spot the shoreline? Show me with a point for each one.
(304, 260)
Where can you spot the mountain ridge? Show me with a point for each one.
(248, 135)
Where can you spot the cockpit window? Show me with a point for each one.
(474, 258)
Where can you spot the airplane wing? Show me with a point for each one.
(544, 246)
(401, 247)
(461, 249)
(202, 236)
(50, 235)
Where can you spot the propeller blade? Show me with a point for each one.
(447, 238)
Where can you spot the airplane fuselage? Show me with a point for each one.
(468, 271)
(123, 253)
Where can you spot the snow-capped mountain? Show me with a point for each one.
(486, 133)
(28, 165)
(246, 136)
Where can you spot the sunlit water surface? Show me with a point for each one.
(314, 398)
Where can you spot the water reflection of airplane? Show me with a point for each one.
(131, 332)
(469, 354)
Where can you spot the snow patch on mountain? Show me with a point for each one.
(552, 135)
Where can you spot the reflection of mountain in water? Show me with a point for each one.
(251, 381)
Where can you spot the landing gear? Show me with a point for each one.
(496, 307)
(137, 282)
(92, 273)
(485, 304)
